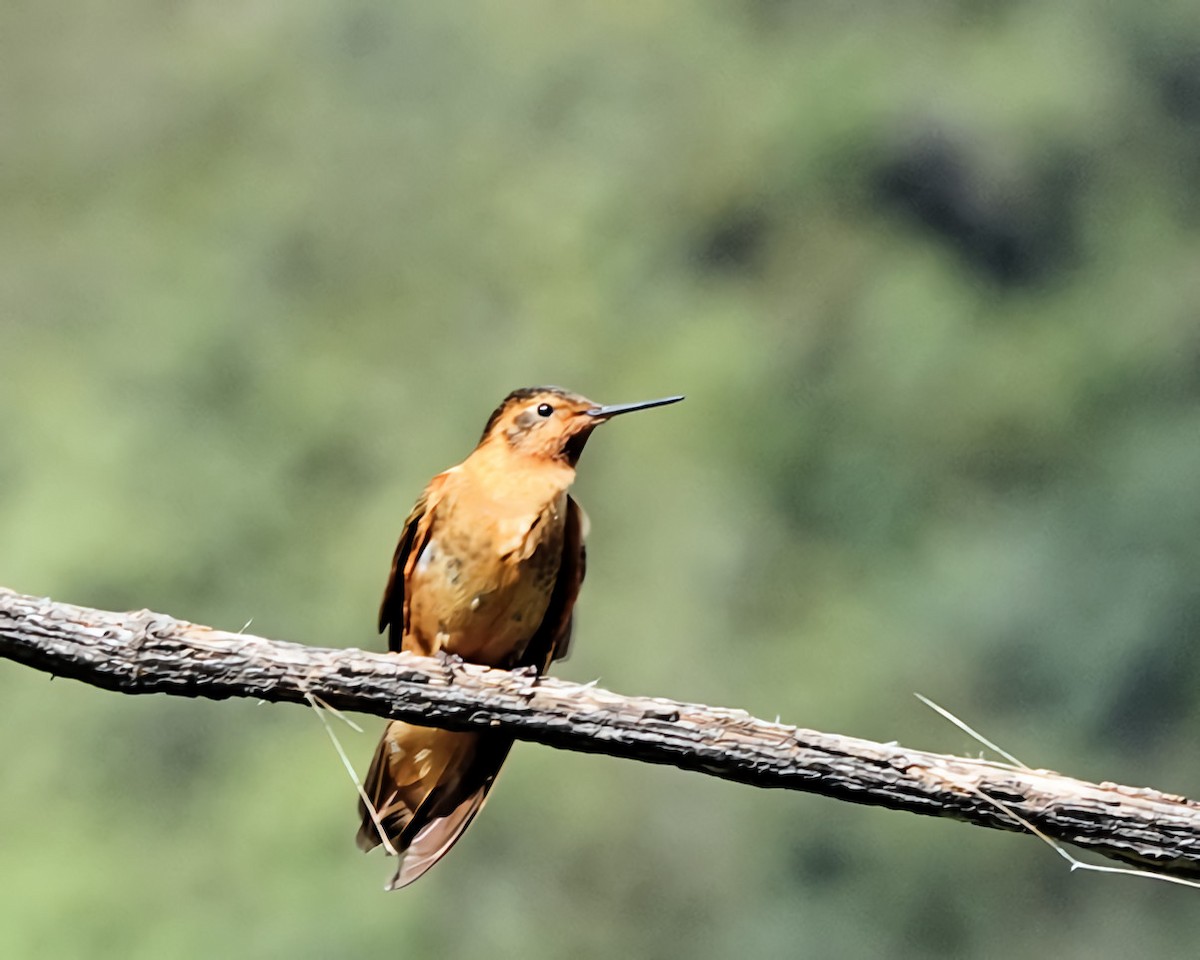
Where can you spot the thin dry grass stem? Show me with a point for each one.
(319, 706)
(337, 713)
(1076, 864)
(970, 731)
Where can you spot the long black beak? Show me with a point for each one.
(614, 409)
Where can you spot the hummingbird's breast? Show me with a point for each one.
(481, 586)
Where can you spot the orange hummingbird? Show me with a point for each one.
(487, 569)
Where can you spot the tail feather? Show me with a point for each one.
(435, 839)
(426, 786)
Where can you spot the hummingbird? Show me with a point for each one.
(487, 570)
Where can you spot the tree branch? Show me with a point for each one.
(146, 652)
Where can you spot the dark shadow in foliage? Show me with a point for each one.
(1158, 692)
(1012, 676)
(1169, 66)
(1178, 82)
(1167, 60)
(1014, 457)
(1016, 232)
(821, 861)
(732, 242)
(937, 924)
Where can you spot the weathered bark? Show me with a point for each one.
(146, 652)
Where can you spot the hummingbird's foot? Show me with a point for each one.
(532, 674)
(450, 661)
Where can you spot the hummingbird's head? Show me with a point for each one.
(552, 423)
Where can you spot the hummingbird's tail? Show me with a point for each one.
(426, 786)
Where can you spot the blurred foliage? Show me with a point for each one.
(928, 274)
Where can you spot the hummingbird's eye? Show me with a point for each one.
(544, 409)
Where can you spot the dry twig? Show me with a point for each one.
(146, 652)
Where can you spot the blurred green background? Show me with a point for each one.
(929, 275)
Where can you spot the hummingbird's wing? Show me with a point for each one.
(553, 638)
(393, 611)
